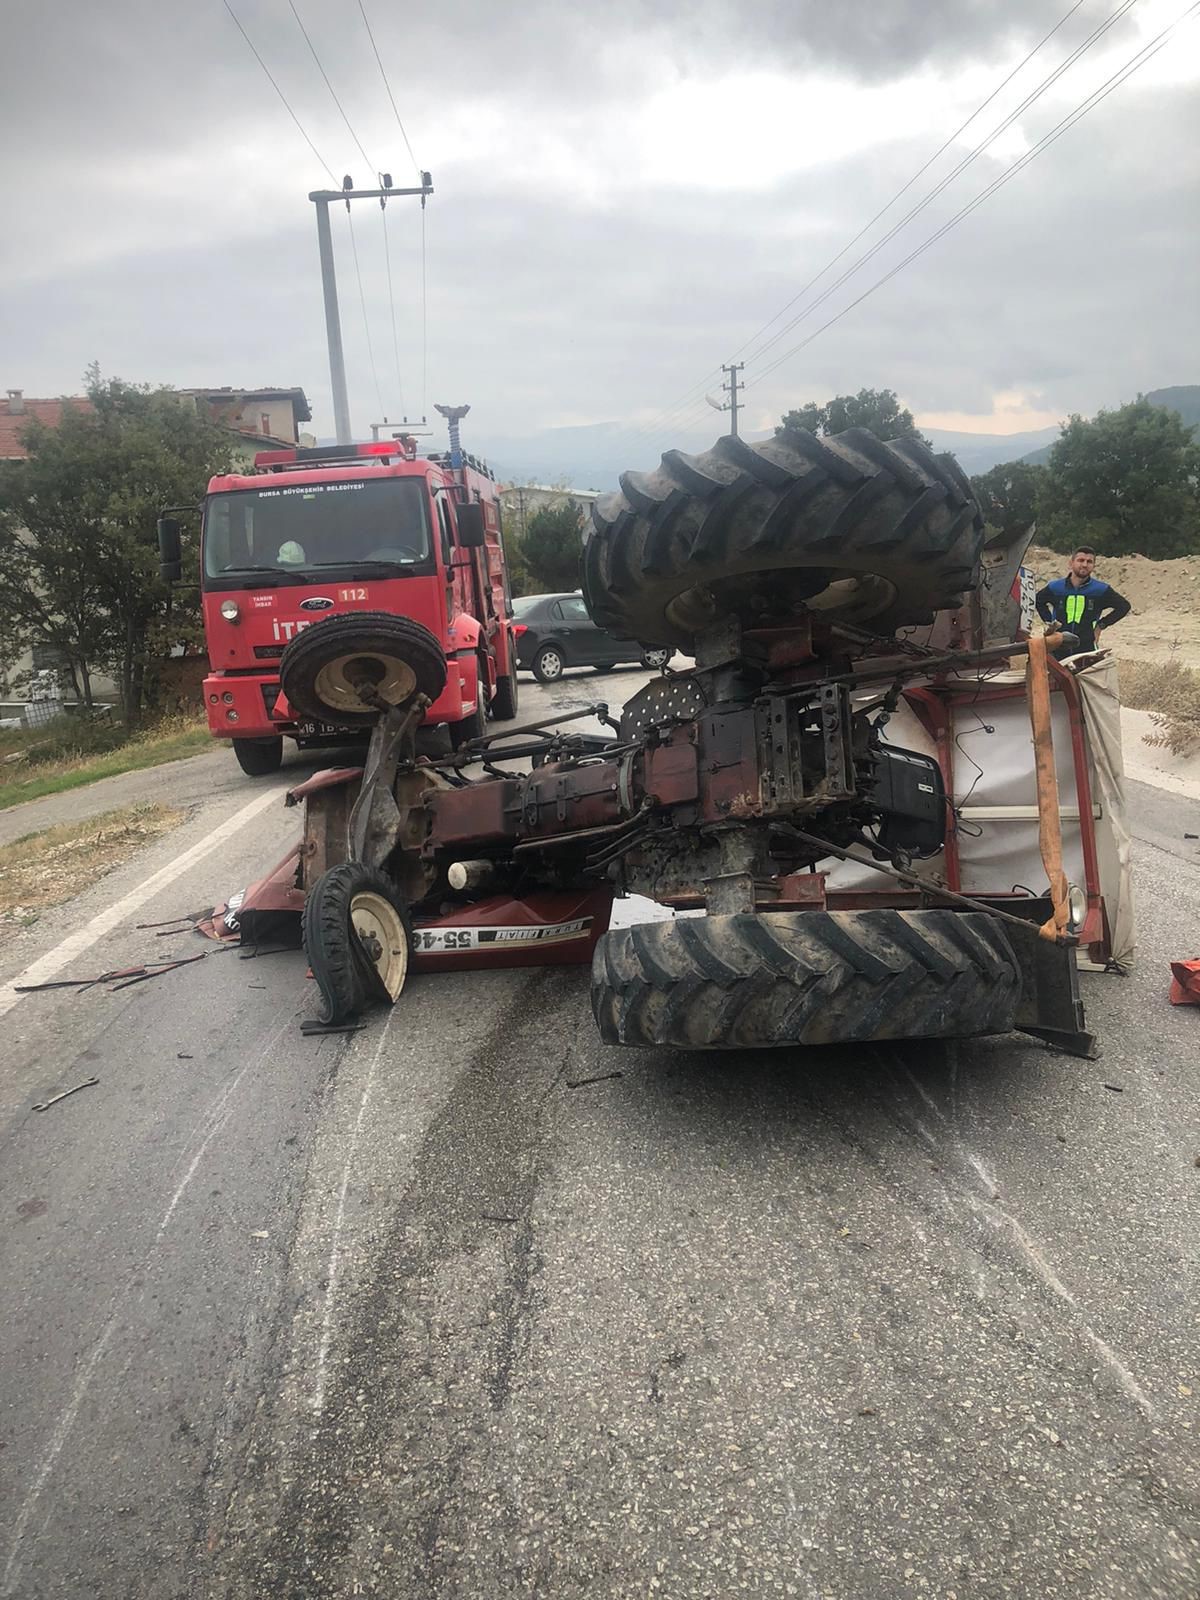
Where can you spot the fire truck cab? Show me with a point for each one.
(314, 532)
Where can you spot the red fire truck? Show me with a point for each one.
(314, 532)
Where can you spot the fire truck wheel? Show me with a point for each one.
(845, 525)
(548, 664)
(258, 758)
(507, 699)
(326, 669)
(804, 978)
(358, 939)
(471, 727)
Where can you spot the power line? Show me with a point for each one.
(1109, 86)
(387, 256)
(362, 300)
(941, 150)
(280, 93)
(388, 87)
(972, 156)
(688, 402)
(312, 48)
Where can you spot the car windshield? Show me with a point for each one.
(292, 528)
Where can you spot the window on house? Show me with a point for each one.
(265, 421)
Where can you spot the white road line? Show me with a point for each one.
(332, 1271)
(216, 1118)
(57, 1439)
(52, 963)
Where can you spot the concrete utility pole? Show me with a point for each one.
(322, 199)
(731, 389)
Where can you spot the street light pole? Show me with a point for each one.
(322, 198)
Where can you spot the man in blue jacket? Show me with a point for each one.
(1080, 603)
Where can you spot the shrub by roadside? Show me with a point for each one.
(70, 752)
(1171, 693)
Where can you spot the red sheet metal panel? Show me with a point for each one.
(551, 928)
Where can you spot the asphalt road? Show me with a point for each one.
(405, 1313)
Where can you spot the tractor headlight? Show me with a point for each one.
(1077, 908)
(230, 610)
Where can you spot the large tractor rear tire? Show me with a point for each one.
(323, 668)
(881, 535)
(804, 978)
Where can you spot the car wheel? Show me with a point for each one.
(655, 660)
(548, 664)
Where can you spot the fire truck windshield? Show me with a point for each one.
(289, 529)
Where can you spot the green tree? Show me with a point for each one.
(1125, 482)
(1008, 496)
(552, 547)
(78, 545)
(877, 410)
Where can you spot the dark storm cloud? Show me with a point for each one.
(167, 233)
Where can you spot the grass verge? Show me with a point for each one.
(44, 869)
(1170, 692)
(48, 760)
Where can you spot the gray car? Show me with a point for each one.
(554, 631)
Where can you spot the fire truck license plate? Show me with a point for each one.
(320, 730)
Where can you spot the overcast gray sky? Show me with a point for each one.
(625, 193)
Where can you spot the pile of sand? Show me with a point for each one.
(1164, 624)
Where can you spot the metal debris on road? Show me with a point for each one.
(156, 969)
(44, 1105)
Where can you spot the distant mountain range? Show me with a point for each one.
(1182, 397)
(594, 456)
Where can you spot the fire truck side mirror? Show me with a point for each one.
(471, 532)
(170, 555)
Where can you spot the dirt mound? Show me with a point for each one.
(1164, 624)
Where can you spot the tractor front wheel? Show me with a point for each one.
(358, 938)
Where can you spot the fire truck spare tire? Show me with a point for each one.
(805, 978)
(343, 668)
(259, 758)
(875, 534)
(358, 938)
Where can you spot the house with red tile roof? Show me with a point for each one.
(17, 412)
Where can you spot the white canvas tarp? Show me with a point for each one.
(995, 795)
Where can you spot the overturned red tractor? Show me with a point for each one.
(829, 591)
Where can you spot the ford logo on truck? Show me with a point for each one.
(317, 602)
